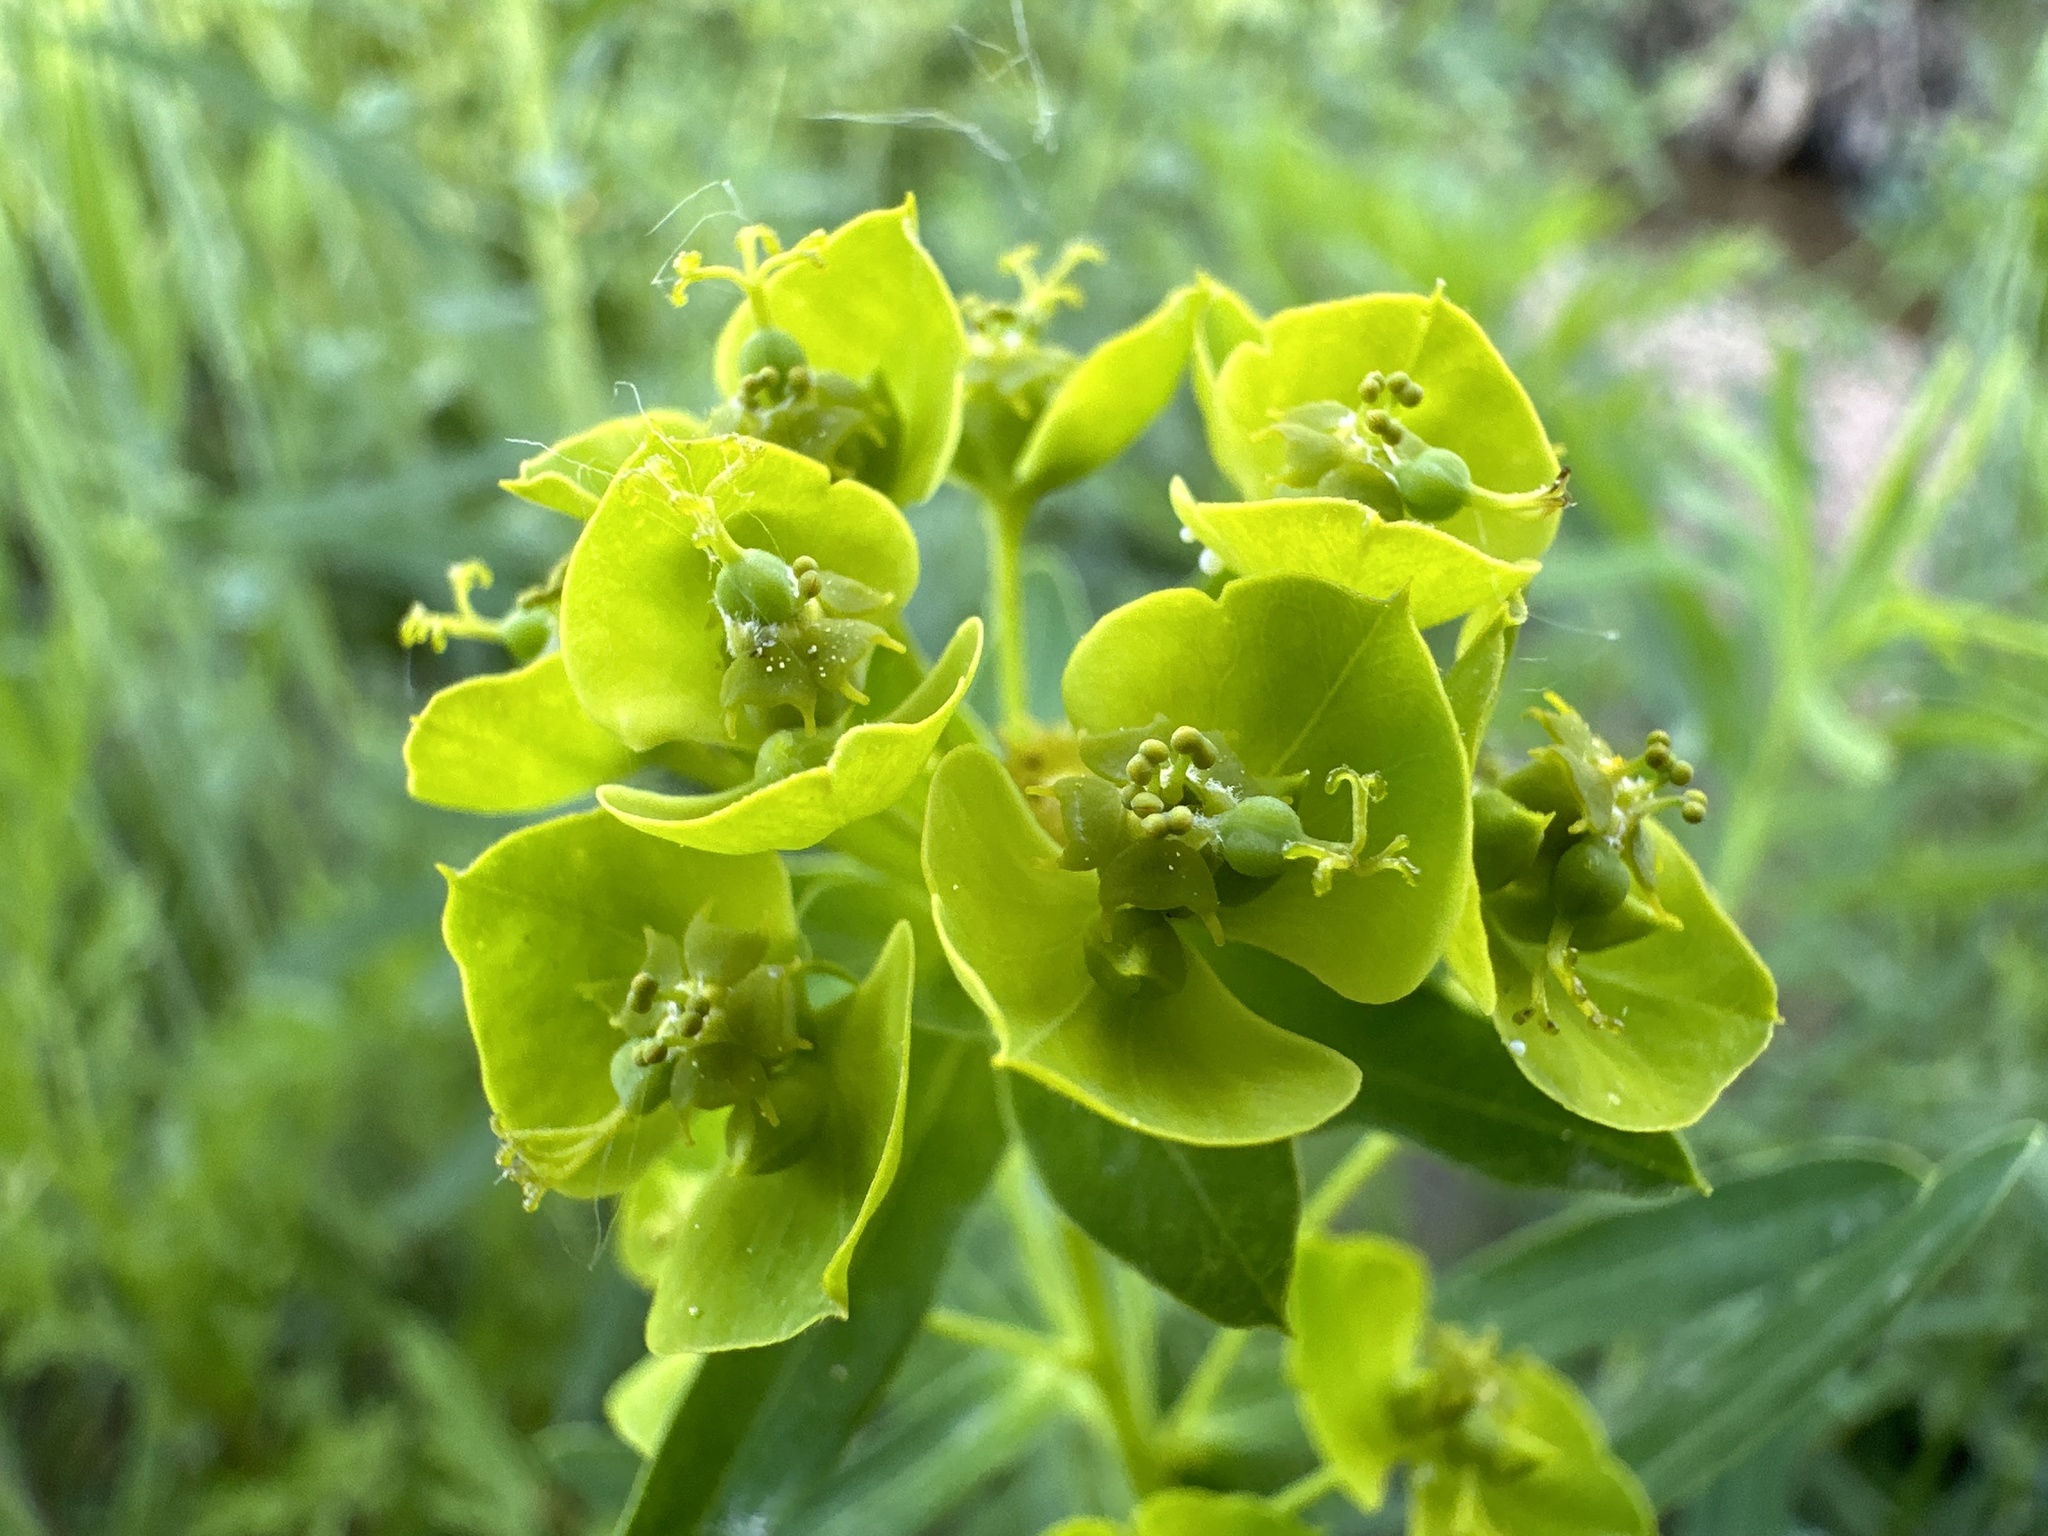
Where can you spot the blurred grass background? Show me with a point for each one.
(284, 286)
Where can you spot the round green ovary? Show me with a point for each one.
(1435, 484)
(1590, 880)
(771, 348)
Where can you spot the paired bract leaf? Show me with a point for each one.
(1299, 676)
(1110, 397)
(571, 477)
(875, 308)
(1473, 405)
(1212, 1226)
(1349, 543)
(640, 633)
(870, 767)
(1196, 1066)
(510, 742)
(1695, 1007)
(553, 910)
(760, 1257)
(1360, 1310)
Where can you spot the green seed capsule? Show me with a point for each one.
(1506, 836)
(1133, 953)
(1590, 879)
(799, 1097)
(771, 348)
(1435, 484)
(757, 586)
(640, 1086)
(526, 633)
(1254, 835)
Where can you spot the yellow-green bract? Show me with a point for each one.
(1197, 1067)
(571, 476)
(640, 636)
(1192, 1512)
(1302, 676)
(1474, 405)
(874, 307)
(1359, 1307)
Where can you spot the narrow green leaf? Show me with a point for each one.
(1437, 1076)
(1588, 1278)
(1760, 1379)
(760, 1429)
(1212, 1226)
(571, 476)
(1110, 397)
(871, 767)
(510, 742)
(1196, 1066)
(1350, 544)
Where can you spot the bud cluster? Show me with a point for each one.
(1560, 848)
(848, 427)
(1462, 1405)
(1176, 826)
(1367, 453)
(1012, 370)
(710, 1024)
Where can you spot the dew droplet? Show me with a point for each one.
(1613, 1098)
(1518, 1047)
(696, 1311)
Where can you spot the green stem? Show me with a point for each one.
(1006, 522)
(992, 1333)
(1205, 1384)
(1304, 1491)
(1105, 1367)
(1346, 1179)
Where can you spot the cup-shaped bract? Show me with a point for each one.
(1195, 1065)
(1320, 357)
(570, 477)
(873, 307)
(643, 634)
(1192, 1512)
(1694, 1006)
(759, 1257)
(545, 927)
(1342, 541)
(1305, 681)
(1502, 1446)
(1039, 418)
(800, 798)
(510, 742)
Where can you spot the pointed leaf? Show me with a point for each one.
(1211, 1226)
(1196, 1066)
(554, 909)
(510, 742)
(1302, 676)
(571, 476)
(640, 634)
(870, 768)
(1350, 544)
(1762, 1378)
(875, 308)
(1473, 404)
(1110, 397)
(1436, 1076)
(1696, 1006)
(1588, 1277)
(640, 1401)
(763, 1256)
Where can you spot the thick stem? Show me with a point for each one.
(1305, 1491)
(1105, 1367)
(1005, 522)
(1346, 1179)
(1205, 1384)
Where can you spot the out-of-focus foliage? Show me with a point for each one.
(284, 289)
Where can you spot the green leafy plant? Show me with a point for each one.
(828, 944)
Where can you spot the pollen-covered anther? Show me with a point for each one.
(1180, 819)
(1658, 756)
(1371, 386)
(1694, 806)
(1156, 824)
(1382, 425)
(1145, 803)
(1408, 392)
(641, 993)
(1155, 749)
(1140, 769)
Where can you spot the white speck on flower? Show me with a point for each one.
(1613, 1098)
(1518, 1047)
(1211, 563)
(1187, 534)
(696, 1311)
